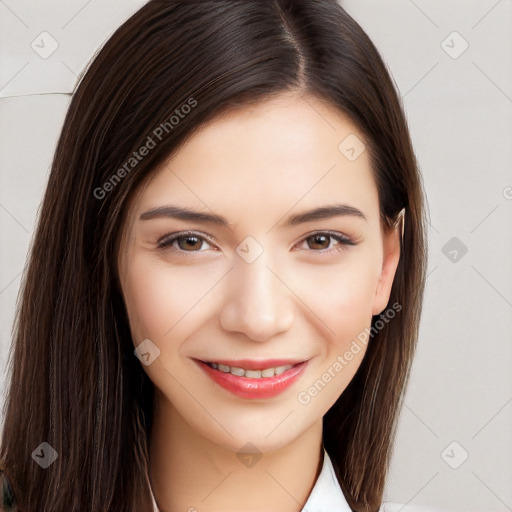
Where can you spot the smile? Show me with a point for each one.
(246, 380)
(251, 374)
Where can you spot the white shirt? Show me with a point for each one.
(327, 496)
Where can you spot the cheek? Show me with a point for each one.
(341, 295)
(342, 301)
(161, 301)
(146, 296)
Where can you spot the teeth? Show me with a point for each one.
(269, 372)
(251, 374)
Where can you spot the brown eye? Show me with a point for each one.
(189, 243)
(322, 242)
(319, 241)
(184, 242)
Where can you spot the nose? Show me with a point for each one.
(258, 303)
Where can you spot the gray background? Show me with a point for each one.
(459, 106)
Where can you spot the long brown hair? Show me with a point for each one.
(173, 66)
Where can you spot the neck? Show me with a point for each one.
(192, 473)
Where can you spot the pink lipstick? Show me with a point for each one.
(254, 379)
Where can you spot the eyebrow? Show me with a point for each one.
(321, 213)
(176, 212)
(325, 212)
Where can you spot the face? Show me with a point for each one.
(258, 282)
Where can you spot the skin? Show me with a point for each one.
(301, 298)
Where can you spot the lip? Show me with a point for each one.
(246, 387)
(253, 364)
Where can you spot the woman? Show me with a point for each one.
(223, 294)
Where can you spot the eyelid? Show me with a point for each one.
(170, 237)
(342, 239)
(165, 243)
(335, 234)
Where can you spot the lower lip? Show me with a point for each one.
(246, 387)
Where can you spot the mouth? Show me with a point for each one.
(254, 379)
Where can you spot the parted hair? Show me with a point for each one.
(174, 65)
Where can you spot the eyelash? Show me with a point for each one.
(168, 240)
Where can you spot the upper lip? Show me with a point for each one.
(252, 364)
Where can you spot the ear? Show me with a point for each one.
(391, 237)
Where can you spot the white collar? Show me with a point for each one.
(325, 496)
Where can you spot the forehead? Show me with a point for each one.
(291, 150)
